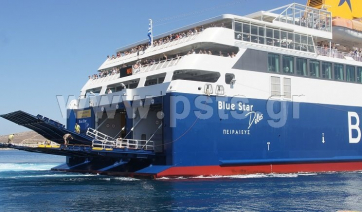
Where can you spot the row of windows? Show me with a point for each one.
(313, 68)
(192, 75)
(306, 17)
(273, 37)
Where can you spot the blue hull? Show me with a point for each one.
(310, 133)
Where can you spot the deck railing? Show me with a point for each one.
(154, 48)
(338, 54)
(104, 141)
(156, 65)
(124, 143)
(101, 137)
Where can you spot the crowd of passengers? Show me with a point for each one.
(164, 57)
(315, 23)
(164, 40)
(332, 51)
(106, 73)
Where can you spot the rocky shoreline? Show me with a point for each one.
(28, 137)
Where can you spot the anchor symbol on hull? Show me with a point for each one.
(323, 141)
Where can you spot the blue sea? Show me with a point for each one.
(27, 184)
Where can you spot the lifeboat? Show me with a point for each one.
(347, 32)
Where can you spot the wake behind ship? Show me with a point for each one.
(272, 92)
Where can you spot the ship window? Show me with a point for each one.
(196, 75)
(338, 72)
(290, 41)
(238, 26)
(276, 37)
(261, 31)
(130, 84)
(303, 39)
(155, 79)
(273, 62)
(314, 68)
(288, 64)
(359, 74)
(275, 86)
(228, 78)
(302, 66)
(350, 74)
(297, 38)
(261, 35)
(284, 39)
(246, 28)
(326, 70)
(94, 91)
(269, 35)
(254, 30)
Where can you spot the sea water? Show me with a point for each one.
(27, 184)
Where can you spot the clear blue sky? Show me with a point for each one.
(49, 47)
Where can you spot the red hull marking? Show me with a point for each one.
(253, 169)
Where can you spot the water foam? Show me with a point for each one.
(5, 167)
(244, 176)
(48, 176)
(125, 179)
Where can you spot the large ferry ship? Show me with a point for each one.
(270, 92)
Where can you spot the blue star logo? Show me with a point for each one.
(348, 2)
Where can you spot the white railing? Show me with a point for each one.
(337, 54)
(156, 66)
(304, 16)
(100, 137)
(154, 48)
(173, 42)
(135, 144)
(104, 141)
(109, 77)
(124, 143)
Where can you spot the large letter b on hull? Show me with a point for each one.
(353, 140)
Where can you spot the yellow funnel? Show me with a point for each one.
(348, 9)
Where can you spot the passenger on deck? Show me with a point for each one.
(77, 128)
(67, 137)
(109, 91)
(11, 138)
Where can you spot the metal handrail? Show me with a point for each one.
(157, 65)
(104, 141)
(154, 48)
(336, 54)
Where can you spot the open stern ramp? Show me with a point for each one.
(49, 129)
